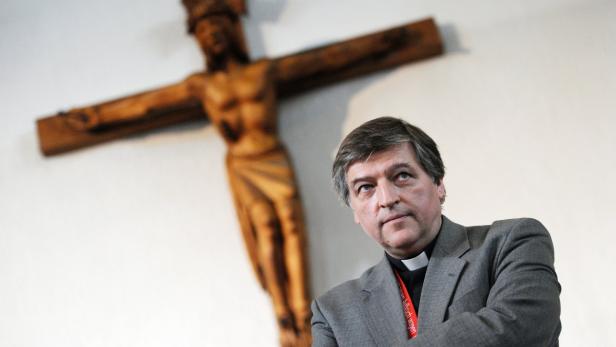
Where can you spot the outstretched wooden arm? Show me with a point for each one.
(86, 126)
(340, 61)
(82, 127)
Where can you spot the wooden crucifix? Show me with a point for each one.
(239, 98)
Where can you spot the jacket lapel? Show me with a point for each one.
(382, 307)
(442, 274)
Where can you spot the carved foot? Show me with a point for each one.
(292, 335)
(287, 332)
(304, 338)
(302, 316)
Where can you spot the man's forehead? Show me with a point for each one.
(396, 155)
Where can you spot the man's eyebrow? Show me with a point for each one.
(388, 171)
(359, 179)
(398, 166)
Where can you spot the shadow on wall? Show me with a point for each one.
(258, 13)
(311, 127)
(451, 39)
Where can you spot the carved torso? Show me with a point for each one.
(241, 103)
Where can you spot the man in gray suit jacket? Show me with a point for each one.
(440, 283)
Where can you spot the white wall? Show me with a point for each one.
(135, 242)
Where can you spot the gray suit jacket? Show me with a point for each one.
(484, 286)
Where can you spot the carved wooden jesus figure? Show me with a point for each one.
(239, 97)
(240, 103)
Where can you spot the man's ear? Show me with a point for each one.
(441, 191)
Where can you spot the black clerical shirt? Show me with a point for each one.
(413, 280)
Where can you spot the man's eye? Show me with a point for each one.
(364, 188)
(404, 176)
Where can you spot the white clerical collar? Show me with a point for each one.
(417, 262)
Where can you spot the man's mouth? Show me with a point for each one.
(393, 218)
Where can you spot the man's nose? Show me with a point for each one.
(387, 195)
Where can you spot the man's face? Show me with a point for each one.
(395, 201)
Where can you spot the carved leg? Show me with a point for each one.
(243, 195)
(269, 253)
(294, 246)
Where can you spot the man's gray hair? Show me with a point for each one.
(379, 135)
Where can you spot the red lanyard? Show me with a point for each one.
(409, 309)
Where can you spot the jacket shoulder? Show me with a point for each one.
(347, 294)
(345, 291)
(503, 228)
(518, 223)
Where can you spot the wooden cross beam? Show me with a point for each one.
(239, 97)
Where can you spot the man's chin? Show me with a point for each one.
(402, 253)
(401, 242)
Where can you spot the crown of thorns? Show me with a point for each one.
(199, 9)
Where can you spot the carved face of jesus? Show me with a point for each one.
(395, 201)
(213, 35)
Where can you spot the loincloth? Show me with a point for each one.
(267, 177)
